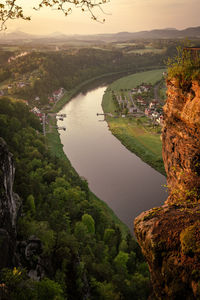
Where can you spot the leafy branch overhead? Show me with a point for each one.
(10, 9)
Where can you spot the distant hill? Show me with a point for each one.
(170, 33)
(167, 33)
(15, 35)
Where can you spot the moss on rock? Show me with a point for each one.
(190, 244)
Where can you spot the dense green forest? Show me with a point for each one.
(43, 72)
(84, 255)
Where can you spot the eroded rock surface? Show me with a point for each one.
(170, 235)
(170, 240)
(21, 253)
(28, 254)
(9, 205)
(181, 142)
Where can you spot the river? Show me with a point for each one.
(117, 176)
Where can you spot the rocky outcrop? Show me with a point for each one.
(9, 205)
(170, 240)
(28, 254)
(170, 235)
(181, 142)
(12, 252)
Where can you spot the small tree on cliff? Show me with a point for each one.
(185, 66)
(10, 9)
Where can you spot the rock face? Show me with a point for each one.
(28, 255)
(12, 252)
(170, 235)
(9, 205)
(181, 142)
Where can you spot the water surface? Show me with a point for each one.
(117, 176)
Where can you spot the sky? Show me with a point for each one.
(120, 15)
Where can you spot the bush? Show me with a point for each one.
(185, 66)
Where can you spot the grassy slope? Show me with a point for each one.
(141, 139)
(132, 81)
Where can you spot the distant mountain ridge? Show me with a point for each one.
(167, 33)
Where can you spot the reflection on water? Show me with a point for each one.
(115, 175)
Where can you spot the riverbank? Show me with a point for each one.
(56, 148)
(84, 86)
(87, 84)
(136, 133)
(117, 176)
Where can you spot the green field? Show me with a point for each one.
(131, 48)
(137, 134)
(9, 48)
(123, 45)
(131, 81)
(143, 141)
(147, 50)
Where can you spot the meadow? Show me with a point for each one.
(131, 81)
(147, 50)
(138, 134)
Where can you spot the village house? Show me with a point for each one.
(145, 87)
(147, 112)
(155, 114)
(37, 112)
(160, 120)
(153, 104)
(21, 84)
(58, 94)
(134, 91)
(51, 99)
(141, 101)
(139, 91)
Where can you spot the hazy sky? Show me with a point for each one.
(120, 15)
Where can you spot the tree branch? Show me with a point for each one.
(10, 10)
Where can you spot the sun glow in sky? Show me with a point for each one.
(120, 15)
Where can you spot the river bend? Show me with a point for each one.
(117, 176)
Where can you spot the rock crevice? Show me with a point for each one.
(9, 206)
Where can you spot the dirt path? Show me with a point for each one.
(50, 119)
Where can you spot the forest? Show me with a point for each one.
(43, 72)
(83, 254)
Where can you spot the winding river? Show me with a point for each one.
(117, 176)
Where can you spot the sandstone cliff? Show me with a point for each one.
(170, 235)
(13, 252)
(9, 205)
